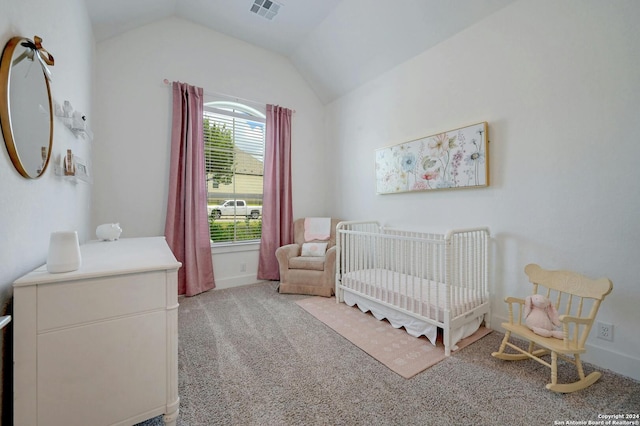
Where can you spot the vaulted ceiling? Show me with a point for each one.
(336, 45)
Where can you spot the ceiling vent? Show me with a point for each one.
(266, 8)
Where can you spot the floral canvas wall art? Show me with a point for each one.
(453, 159)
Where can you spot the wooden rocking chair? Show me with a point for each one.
(577, 299)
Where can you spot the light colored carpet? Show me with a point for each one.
(251, 356)
(394, 347)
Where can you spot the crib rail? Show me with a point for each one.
(467, 266)
(438, 276)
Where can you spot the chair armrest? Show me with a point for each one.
(576, 320)
(511, 301)
(285, 253)
(572, 335)
(330, 260)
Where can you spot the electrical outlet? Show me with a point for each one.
(243, 267)
(605, 331)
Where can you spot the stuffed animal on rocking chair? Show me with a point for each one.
(542, 317)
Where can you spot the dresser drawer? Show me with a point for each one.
(131, 357)
(79, 302)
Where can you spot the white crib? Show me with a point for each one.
(416, 280)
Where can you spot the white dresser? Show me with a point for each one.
(99, 346)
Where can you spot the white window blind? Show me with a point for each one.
(234, 166)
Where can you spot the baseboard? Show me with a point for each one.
(604, 358)
(614, 361)
(237, 281)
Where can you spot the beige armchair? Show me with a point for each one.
(313, 275)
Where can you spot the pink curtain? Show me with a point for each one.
(187, 225)
(277, 211)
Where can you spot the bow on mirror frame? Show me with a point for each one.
(35, 49)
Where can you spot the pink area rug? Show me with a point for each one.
(394, 347)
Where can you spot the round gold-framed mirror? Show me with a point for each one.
(26, 109)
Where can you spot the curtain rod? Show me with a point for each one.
(168, 83)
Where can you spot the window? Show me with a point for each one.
(234, 166)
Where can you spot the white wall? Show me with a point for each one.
(132, 139)
(31, 209)
(558, 83)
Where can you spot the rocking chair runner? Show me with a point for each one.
(577, 299)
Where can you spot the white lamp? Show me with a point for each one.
(64, 252)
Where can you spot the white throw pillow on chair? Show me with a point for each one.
(314, 249)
